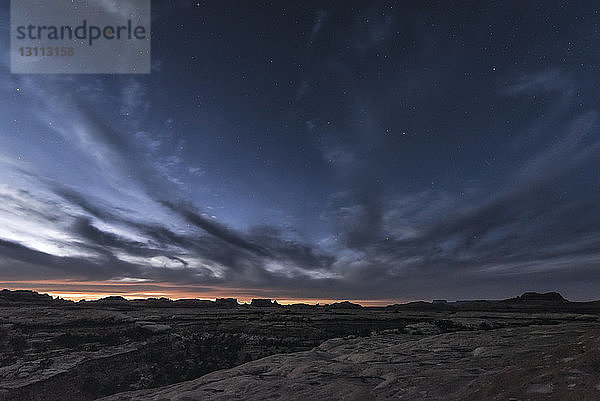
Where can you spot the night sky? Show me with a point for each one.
(382, 151)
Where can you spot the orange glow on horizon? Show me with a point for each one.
(92, 290)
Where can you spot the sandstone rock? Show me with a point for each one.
(396, 366)
(154, 328)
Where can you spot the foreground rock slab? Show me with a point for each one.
(538, 362)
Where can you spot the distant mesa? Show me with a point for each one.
(302, 305)
(263, 302)
(226, 302)
(8, 297)
(536, 298)
(553, 297)
(118, 301)
(345, 305)
(529, 300)
(424, 306)
(112, 300)
(192, 303)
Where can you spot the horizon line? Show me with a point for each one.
(77, 296)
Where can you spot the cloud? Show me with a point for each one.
(205, 251)
(121, 152)
(387, 232)
(579, 145)
(215, 229)
(317, 26)
(372, 31)
(546, 81)
(501, 236)
(16, 256)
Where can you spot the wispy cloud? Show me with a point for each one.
(109, 192)
(317, 26)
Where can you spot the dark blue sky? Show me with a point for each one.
(356, 150)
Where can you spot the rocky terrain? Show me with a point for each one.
(527, 363)
(534, 347)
